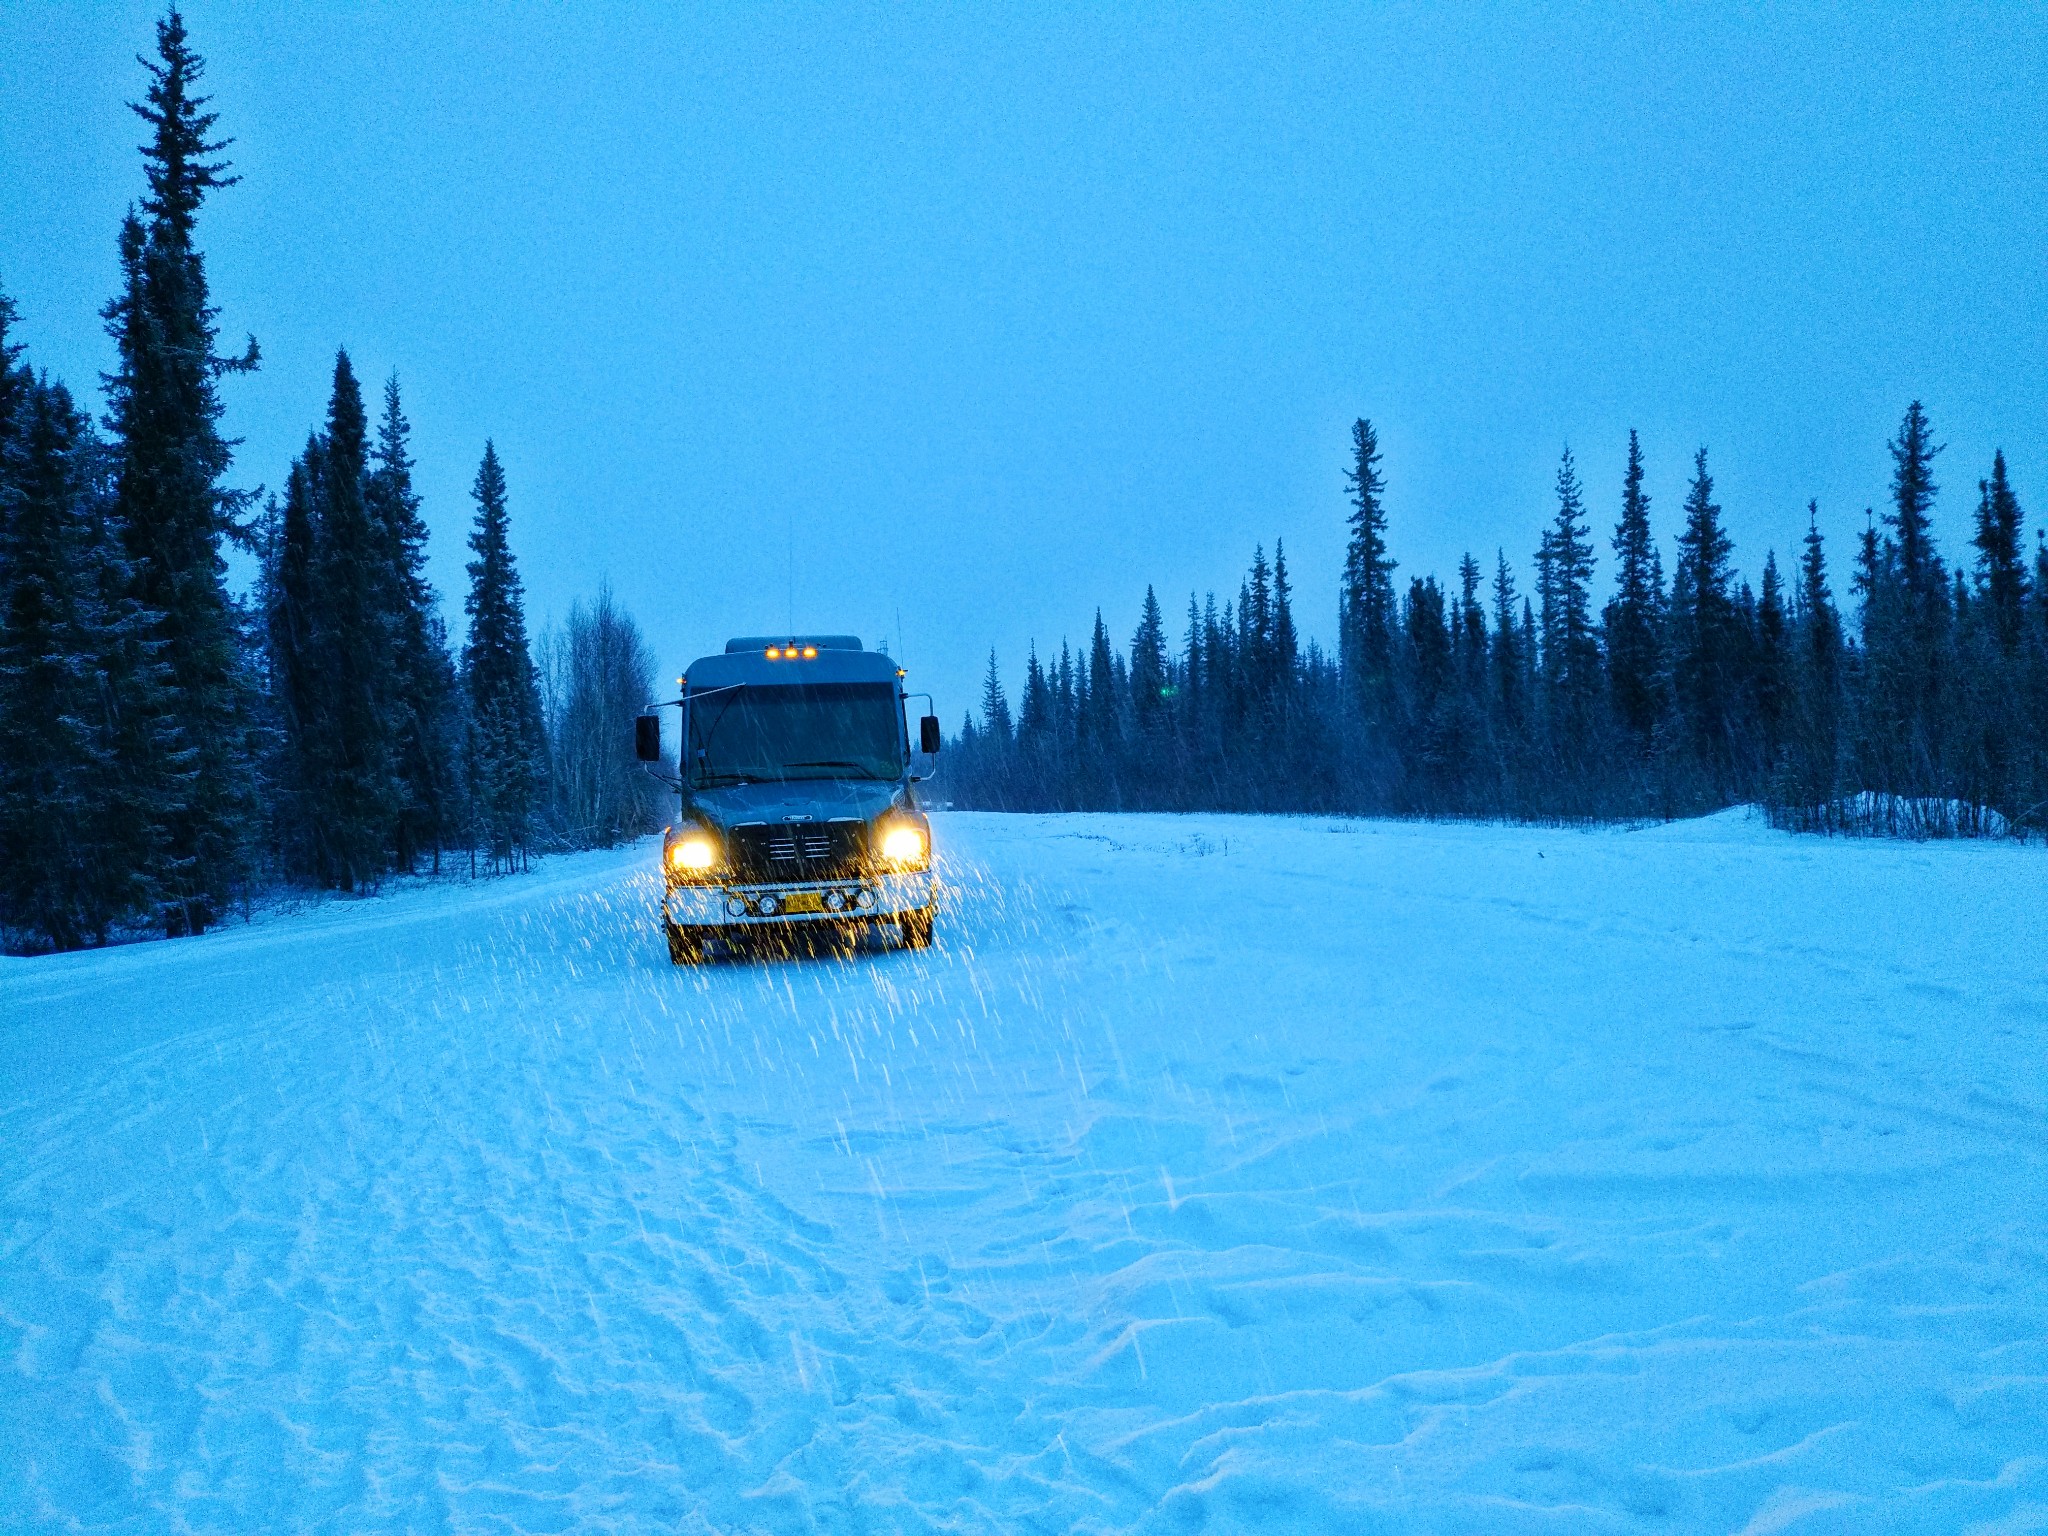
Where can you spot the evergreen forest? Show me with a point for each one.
(169, 747)
(1922, 712)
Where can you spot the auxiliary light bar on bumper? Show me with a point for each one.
(821, 901)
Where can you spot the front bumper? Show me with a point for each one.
(739, 906)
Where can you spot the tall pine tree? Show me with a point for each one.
(1705, 666)
(995, 706)
(1635, 614)
(298, 699)
(1148, 677)
(1510, 697)
(164, 413)
(505, 732)
(422, 698)
(1571, 673)
(1286, 639)
(1907, 639)
(357, 795)
(1911, 519)
(1366, 614)
(1814, 764)
(2001, 569)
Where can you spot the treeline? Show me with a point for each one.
(1928, 715)
(167, 747)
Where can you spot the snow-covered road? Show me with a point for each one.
(1273, 1174)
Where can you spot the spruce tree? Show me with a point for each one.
(1099, 724)
(1868, 555)
(75, 838)
(1770, 671)
(1428, 634)
(1469, 628)
(1528, 654)
(1102, 693)
(1634, 616)
(1286, 639)
(1227, 649)
(422, 674)
(1255, 622)
(1704, 633)
(294, 627)
(995, 706)
(1571, 652)
(506, 737)
(1468, 709)
(1510, 701)
(1066, 698)
(1908, 640)
(1216, 650)
(1034, 718)
(1427, 658)
(46, 746)
(1816, 748)
(358, 799)
(1034, 736)
(1992, 688)
(1920, 566)
(164, 412)
(1148, 679)
(2001, 571)
(1366, 615)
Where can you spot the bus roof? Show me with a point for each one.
(818, 642)
(788, 666)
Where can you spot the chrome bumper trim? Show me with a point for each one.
(703, 906)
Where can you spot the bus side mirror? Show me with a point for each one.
(647, 738)
(928, 735)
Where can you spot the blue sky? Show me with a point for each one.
(959, 322)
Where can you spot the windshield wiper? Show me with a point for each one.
(713, 776)
(839, 762)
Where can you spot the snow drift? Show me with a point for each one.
(1238, 1173)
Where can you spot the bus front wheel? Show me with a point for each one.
(683, 948)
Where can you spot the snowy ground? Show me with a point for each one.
(1256, 1174)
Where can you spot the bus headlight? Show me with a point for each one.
(692, 855)
(903, 845)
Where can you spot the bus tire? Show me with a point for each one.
(683, 948)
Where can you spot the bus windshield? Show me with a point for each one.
(783, 731)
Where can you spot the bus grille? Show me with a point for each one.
(801, 851)
(806, 844)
